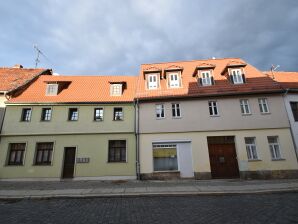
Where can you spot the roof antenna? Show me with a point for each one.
(39, 52)
(273, 68)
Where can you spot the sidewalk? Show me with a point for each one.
(77, 189)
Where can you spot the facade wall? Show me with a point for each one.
(195, 115)
(200, 154)
(2, 100)
(90, 146)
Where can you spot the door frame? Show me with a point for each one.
(75, 162)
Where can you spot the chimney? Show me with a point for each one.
(17, 66)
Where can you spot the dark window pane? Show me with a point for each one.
(117, 151)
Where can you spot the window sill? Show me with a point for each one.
(118, 120)
(72, 120)
(214, 116)
(254, 160)
(97, 120)
(160, 118)
(246, 114)
(42, 164)
(265, 113)
(167, 171)
(111, 162)
(45, 121)
(176, 117)
(281, 159)
(13, 165)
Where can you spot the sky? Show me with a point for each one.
(114, 37)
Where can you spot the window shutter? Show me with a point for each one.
(231, 79)
(212, 80)
(243, 78)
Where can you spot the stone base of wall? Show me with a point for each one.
(269, 174)
(203, 175)
(160, 176)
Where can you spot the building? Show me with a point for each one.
(79, 127)
(218, 118)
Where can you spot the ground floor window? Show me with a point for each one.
(16, 153)
(274, 147)
(117, 151)
(165, 157)
(251, 148)
(44, 151)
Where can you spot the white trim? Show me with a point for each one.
(107, 178)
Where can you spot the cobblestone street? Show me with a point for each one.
(254, 208)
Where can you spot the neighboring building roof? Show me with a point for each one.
(288, 80)
(80, 89)
(13, 78)
(256, 81)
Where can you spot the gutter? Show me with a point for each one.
(137, 122)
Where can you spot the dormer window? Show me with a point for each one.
(206, 78)
(52, 89)
(116, 89)
(236, 76)
(174, 80)
(152, 81)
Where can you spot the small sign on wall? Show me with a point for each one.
(83, 160)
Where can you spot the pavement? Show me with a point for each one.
(85, 189)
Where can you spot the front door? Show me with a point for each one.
(223, 161)
(69, 161)
(185, 160)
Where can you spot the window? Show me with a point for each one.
(176, 110)
(116, 89)
(174, 80)
(274, 147)
(52, 89)
(160, 111)
(46, 114)
(213, 110)
(244, 105)
(165, 157)
(44, 152)
(117, 151)
(206, 78)
(294, 107)
(251, 148)
(26, 114)
(152, 81)
(73, 114)
(236, 76)
(98, 114)
(263, 104)
(16, 153)
(118, 114)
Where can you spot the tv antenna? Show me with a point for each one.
(39, 52)
(273, 69)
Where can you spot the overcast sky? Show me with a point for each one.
(97, 37)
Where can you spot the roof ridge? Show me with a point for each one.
(210, 59)
(84, 76)
(24, 68)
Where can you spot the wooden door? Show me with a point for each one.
(223, 161)
(69, 161)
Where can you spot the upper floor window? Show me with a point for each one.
(98, 114)
(16, 153)
(52, 89)
(244, 105)
(236, 76)
(176, 110)
(116, 89)
(251, 148)
(213, 108)
(73, 114)
(263, 105)
(46, 114)
(26, 114)
(152, 81)
(44, 153)
(294, 107)
(174, 80)
(118, 114)
(160, 111)
(206, 78)
(274, 147)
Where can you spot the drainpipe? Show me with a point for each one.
(137, 139)
(291, 130)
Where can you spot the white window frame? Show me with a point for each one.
(237, 76)
(160, 111)
(251, 149)
(50, 114)
(152, 84)
(100, 113)
(262, 102)
(176, 109)
(116, 89)
(274, 147)
(176, 82)
(213, 104)
(52, 89)
(206, 77)
(245, 107)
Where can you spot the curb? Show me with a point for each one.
(150, 194)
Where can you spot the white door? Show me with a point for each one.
(185, 160)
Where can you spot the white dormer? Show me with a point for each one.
(52, 89)
(116, 89)
(236, 76)
(152, 81)
(174, 80)
(206, 78)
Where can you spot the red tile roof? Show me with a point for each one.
(285, 79)
(82, 89)
(12, 78)
(256, 81)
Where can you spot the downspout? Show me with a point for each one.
(137, 139)
(291, 130)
